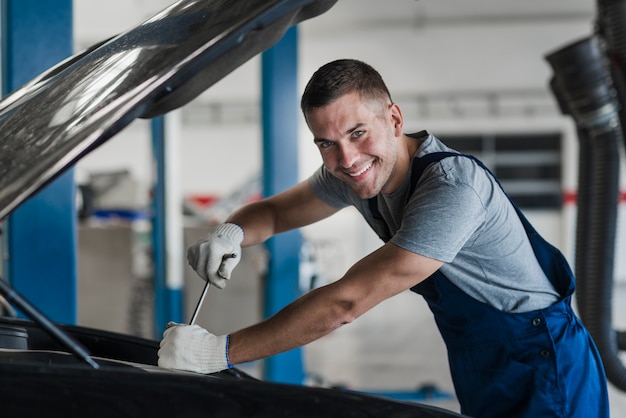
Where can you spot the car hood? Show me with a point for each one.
(161, 64)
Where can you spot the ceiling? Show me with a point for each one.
(354, 13)
(95, 21)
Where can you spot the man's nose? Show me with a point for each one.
(348, 155)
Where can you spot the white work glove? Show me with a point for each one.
(215, 255)
(191, 347)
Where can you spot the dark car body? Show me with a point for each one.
(47, 380)
(62, 370)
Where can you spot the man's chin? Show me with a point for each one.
(361, 192)
(364, 194)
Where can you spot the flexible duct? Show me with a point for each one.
(611, 28)
(584, 89)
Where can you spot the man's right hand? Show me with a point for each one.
(215, 255)
(190, 347)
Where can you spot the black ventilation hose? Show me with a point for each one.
(584, 90)
(596, 300)
(611, 28)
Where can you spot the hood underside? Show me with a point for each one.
(163, 63)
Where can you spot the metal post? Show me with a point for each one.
(168, 285)
(40, 236)
(280, 111)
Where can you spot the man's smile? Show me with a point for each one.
(360, 172)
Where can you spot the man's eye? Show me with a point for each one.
(357, 134)
(325, 144)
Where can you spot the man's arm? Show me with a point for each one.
(294, 208)
(379, 276)
(215, 255)
(384, 273)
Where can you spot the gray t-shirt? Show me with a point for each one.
(457, 214)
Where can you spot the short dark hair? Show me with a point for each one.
(341, 77)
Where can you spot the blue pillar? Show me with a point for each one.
(40, 236)
(168, 303)
(280, 109)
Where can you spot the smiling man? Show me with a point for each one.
(500, 295)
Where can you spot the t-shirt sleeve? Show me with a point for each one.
(443, 213)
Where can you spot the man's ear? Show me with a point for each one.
(397, 119)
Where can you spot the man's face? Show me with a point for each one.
(359, 142)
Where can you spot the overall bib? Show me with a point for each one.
(533, 364)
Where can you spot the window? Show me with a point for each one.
(527, 165)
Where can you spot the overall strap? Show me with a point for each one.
(421, 163)
(417, 169)
(549, 257)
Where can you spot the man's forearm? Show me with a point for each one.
(257, 221)
(379, 276)
(305, 320)
(291, 209)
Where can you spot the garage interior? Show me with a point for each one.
(475, 73)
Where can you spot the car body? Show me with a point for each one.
(49, 369)
(46, 379)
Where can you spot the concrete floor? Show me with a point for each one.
(393, 348)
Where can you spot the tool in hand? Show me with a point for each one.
(203, 295)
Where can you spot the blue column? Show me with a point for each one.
(280, 109)
(40, 236)
(168, 303)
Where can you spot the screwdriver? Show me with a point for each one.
(204, 292)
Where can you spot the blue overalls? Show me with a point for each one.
(533, 364)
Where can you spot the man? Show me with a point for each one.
(500, 294)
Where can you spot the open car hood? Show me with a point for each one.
(157, 66)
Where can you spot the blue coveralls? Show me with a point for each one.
(533, 364)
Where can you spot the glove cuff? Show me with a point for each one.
(215, 355)
(230, 230)
(230, 366)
